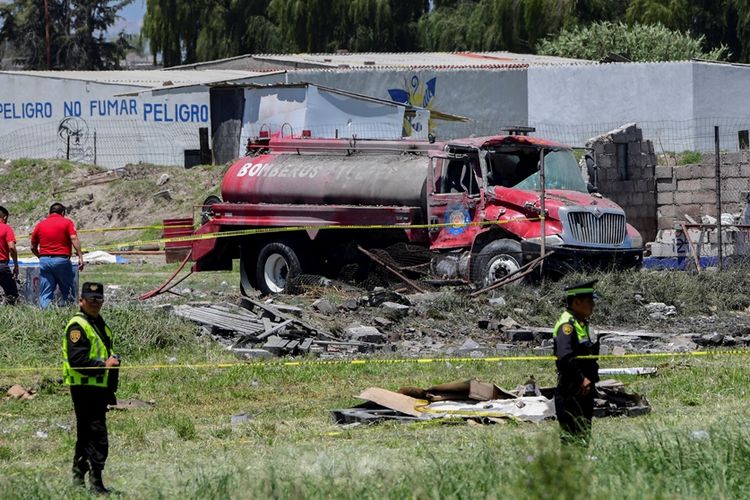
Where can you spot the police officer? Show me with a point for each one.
(574, 397)
(87, 359)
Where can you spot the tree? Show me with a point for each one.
(720, 22)
(493, 24)
(636, 43)
(76, 33)
(360, 25)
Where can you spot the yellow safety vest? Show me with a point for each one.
(582, 330)
(97, 351)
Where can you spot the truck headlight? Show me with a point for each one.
(636, 241)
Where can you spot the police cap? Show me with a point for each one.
(91, 290)
(581, 289)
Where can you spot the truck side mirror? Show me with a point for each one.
(591, 188)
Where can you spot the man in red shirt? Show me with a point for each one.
(51, 241)
(8, 251)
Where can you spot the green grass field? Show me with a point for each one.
(695, 443)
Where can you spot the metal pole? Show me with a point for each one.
(542, 213)
(94, 147)
(67, 149)
(718, 199)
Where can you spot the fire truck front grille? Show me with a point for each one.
(605, 229)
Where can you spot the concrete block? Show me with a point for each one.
(634, 149)
(683, 197)
(663, 172)
(663, 223)
(684, 185)
(667, 184)
(662, 249)
(744, 170)
(730, 196)
(665, 198)
(634, 199)
(707, 183)
(706, 171)
(610, 149)
(683, 172)
(705, 196)
(634, 172)
(666, 211)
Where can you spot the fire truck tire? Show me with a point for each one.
(277, 267)
(206, 212)
(495, 261)
(247, 275)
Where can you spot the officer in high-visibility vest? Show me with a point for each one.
(574, 397)
(87, 359)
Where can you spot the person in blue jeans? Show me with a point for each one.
(52, 240)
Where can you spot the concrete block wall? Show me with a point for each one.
(635, 190)
(689, 191)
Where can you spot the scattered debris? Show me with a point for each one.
(132, 404)
(650, 370)
(481, 402)
(240, 418)
(19, 392)
(659, 310)
(258, 330)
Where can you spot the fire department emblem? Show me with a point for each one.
(457, 220)
(75, 336)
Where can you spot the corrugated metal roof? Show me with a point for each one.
(145, 78)
(421, 59)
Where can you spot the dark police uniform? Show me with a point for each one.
(88, 344)
(571, 339)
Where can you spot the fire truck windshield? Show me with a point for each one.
(520, 169)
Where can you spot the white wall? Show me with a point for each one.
(42, 117)
(493, 98)
(584, 101)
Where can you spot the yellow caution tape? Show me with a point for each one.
(356, 362)
(282, 229)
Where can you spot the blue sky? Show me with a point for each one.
(132, 18)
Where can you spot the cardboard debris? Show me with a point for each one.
(482, 402)
(393, 400)
(18, 392)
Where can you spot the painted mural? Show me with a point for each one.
(417, 93)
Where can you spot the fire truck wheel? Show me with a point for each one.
(277, 267)
(495, 261)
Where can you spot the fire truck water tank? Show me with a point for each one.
(357, 179)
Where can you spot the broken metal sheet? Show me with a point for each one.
(527, 409)
(640, 370)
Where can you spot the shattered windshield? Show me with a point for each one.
(519, 168)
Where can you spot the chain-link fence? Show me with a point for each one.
(115, 143)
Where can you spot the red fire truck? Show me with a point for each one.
(297, 206)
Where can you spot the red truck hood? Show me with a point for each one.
(554, 200)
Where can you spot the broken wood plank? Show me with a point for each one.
(251, 304)
(273, 329)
